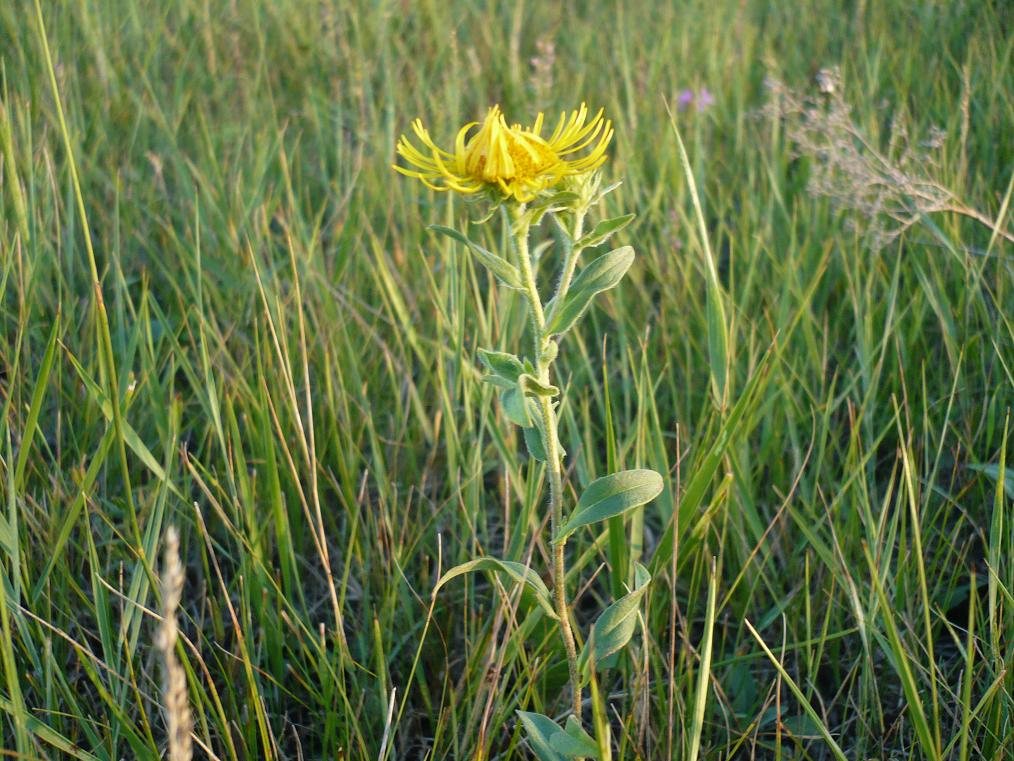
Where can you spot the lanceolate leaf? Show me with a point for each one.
(612, 495)
(604, 230)
(504, 271)
(520, 573)
(615, 626)
(601, 275)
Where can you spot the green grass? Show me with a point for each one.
(282, 364)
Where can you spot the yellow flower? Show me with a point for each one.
(515, 160)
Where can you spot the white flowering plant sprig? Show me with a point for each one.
(532, 179)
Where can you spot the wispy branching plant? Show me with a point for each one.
(532, 179)
(888, 188)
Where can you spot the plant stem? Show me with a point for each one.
(551, 443)
(519, 232)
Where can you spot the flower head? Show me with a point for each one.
(702, 97)
(513, 160)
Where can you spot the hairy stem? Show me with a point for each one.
(519, 231)
(551, 443)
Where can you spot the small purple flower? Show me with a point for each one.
(704, 99)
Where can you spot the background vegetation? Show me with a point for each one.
(280, 361)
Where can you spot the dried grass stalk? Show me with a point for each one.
(174, 686)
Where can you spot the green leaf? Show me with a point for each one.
(532, 386)
(533, 440)
(536, 447)
(615, 626)
(519, 572)
(504, 368)
(504, 271)
(517, 407)
(551, 743)
(612, 495)
(574, 742)
(502, 363)
(604, 230)
(601, 275)
(540, 729)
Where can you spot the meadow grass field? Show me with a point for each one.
(223, 312)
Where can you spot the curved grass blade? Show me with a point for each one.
(836, 750)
